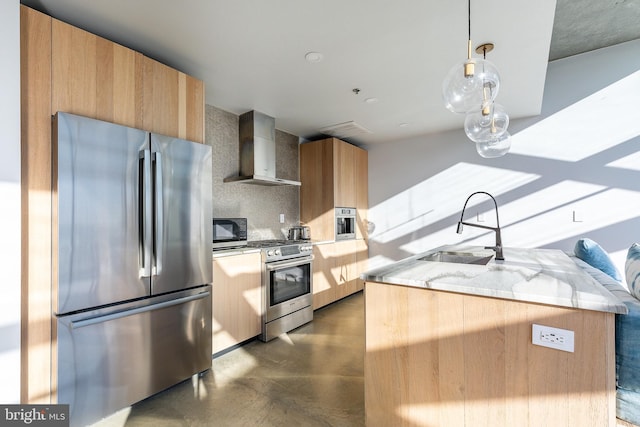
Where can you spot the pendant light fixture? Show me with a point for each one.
(490, 121)
(471, 88)
(497, 147)
(464, 86)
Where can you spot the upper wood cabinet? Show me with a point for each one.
(344, 166)
(334, 174)
(173, 102)
(97, 78)
(362, 193)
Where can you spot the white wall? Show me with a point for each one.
(581, 154)
(10, 196)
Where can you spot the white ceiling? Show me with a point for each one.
(250, 54)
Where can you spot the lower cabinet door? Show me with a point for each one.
(237, 299)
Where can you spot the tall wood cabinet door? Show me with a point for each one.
(95, 77)
(344, 161)
(324, 282)
(316, 192)
(237, 299)
(344, 269)
(362, 262)
(362, 192)
(173, 102)
(38, 329)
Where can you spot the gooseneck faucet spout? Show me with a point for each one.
(498, 247)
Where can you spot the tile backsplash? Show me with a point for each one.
(261, 205)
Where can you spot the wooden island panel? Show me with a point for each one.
(436, 358)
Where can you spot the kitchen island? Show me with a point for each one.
(449, 342)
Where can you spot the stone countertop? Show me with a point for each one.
(544, 276)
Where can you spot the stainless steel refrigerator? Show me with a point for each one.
(132, 263)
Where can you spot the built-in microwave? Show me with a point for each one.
(345, 223)
(229, 232)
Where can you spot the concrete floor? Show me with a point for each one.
(312, 376)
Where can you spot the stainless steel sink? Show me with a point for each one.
(458, 257)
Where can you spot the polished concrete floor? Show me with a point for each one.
(312, 376)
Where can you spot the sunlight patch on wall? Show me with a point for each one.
(591, 125)
(440, 197)
(631, 162)
(597, 207)
(540, 218)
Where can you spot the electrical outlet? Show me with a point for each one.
(546, 336)
(281, 218)
(480, 217)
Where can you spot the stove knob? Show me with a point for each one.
(269, 252)
(277, 251)
(305, 248)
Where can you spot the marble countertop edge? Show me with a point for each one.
(543, 276)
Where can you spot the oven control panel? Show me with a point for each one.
(287, 252)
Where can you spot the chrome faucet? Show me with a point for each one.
(498, 247)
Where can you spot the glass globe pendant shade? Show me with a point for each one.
(463, 89)
(495, 148)
(486, 124)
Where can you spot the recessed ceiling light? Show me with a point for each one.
(371, 100)
(313, 57)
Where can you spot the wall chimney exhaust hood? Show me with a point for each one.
(258, 151)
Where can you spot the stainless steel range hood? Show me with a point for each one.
(258, 151)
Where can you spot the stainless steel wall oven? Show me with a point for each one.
(345, 223)
(287, 284)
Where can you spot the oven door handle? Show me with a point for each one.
(288, 263)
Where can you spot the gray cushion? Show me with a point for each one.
(632, 269)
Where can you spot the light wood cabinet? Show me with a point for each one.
(362, 193)
(345, 269)
(64, 68)
(344, 166)
(336, 270)
(36, 319)
(362, 262)
(237, 299)
(97, 78)
(324, 282)
(94, 77)
(173, 102)
(334, 174)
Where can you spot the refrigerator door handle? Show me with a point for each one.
(144, 213)
(125, 313)
(159, 217)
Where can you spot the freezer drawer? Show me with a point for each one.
(108, 360)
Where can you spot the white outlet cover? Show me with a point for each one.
(547, 336)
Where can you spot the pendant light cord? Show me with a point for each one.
(469, 15)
